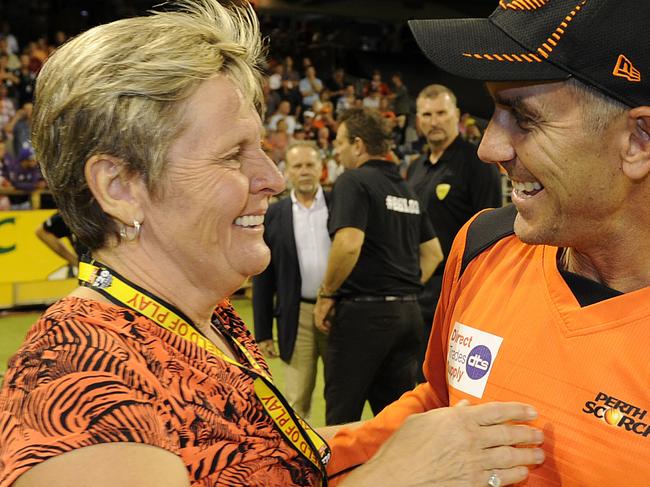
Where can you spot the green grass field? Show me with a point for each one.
(14, 326)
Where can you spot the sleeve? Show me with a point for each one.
(56, 226)
(352, 447)
(350, 204)
(263, 297)
(73, 388)
(485, 186)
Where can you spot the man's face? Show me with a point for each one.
(304, 169)
(284, 107)
(568, 186)
(344, 149)
(438, 120)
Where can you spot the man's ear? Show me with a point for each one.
(117, 190)
(636, 152)
(359, 146)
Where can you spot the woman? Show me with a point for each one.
(149, 133)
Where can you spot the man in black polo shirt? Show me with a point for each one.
(450, 181)
(383, 248)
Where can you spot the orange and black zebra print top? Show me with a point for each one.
(92, 373)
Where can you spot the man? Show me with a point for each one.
(52, 232)
(283, 113)
(548, 300)
(310, 88)
(383, 247)
(296, 232)
(450, 181)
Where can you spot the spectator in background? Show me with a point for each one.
(8, 77)
(450, 181)
(310, 87)
(372, 100)
(288, 72)
(52, 232)
(13, 62)
(275, 80)
(279, 139)
(26, 81)
(23, 173)
(289, 91)
(12, 43)
(368, 299)
(337, 84)
(346, 101)
(18, 130)
(308, 126)
(7, 107)
(400, 98)
(376, 84)
(283, 113)
(295, 229)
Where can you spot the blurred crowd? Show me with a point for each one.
(303, 102)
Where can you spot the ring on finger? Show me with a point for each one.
(494, 480)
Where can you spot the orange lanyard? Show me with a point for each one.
(296, 431)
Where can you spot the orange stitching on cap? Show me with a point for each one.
(488, 57)
(625, 69)
(545, 49)
(522, 4)
(527, 58)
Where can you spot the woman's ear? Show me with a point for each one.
(636, 152)
(117, 190)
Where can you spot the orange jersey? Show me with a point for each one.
(510, 329)
(92, 373)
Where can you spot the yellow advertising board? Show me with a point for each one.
(30, 273)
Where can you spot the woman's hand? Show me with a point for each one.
(459, 446)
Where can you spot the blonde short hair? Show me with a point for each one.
(118, 89)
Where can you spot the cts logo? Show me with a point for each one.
(478, 362)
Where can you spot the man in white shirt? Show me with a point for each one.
(296, 233)
(283, 113)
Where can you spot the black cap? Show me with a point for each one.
(601, 42)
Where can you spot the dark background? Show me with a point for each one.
(357, 35)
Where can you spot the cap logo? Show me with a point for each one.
(625, 69)
(545, 49)
(522, 4)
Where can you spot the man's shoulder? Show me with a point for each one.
(486, 229)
